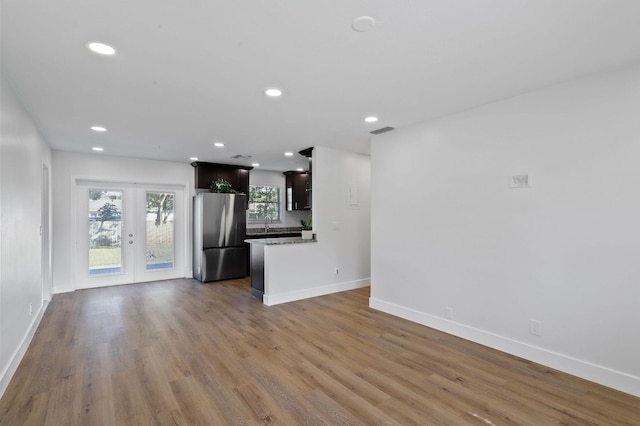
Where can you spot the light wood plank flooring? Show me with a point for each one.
(181, 352)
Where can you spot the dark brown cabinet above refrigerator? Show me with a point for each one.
(298, 196)
(237, 176)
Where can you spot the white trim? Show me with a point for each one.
(79, 180)
(16, 358)
(291, 296)
(46, 234)
(577, 367)
(85, 181)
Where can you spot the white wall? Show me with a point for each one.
(71, 166)
(271, 178)
(23, 153)
(448, 232)
(342, 230)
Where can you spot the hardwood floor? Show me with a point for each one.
(181, 352)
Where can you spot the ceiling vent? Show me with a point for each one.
(241, 157)
(382, 130)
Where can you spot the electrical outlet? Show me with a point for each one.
(30, 309)
(535, 327)
(448, 313)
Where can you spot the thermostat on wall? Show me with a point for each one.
(520, 181)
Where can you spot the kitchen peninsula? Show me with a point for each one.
(339, 258)
(268, 262)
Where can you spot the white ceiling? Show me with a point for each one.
(188, 73)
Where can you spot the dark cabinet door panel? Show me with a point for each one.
(237, 176)
(298, 196)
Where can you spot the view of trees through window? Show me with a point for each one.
(160, 230)
(264, 201)
(105, 232)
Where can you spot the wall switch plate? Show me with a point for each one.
(535, 327)
(353, 196)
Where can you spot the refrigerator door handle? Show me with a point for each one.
(222, 238)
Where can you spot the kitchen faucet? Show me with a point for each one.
(267, 219)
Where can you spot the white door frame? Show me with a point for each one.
(45, 234)
(80, 273)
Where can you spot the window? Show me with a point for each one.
(264, 201)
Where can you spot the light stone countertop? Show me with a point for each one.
(273, 230)
(280, 241)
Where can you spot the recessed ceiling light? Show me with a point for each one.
(97, 148)
(193, 158)
(371, 119)
(218, 144)
(255, 164)
(288, 154)
(100, 48)
(98, 129)
(274, 93)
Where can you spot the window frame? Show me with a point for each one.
(277, 203)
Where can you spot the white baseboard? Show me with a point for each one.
(291, 296)
(584, 369)
(18, 354)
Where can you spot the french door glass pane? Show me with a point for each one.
(105, 232)
(160, 230)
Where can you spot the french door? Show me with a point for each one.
(128, 233)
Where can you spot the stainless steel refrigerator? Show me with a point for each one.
(219, 231)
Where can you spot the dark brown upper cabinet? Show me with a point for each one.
(299, 187)
(237, 176)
